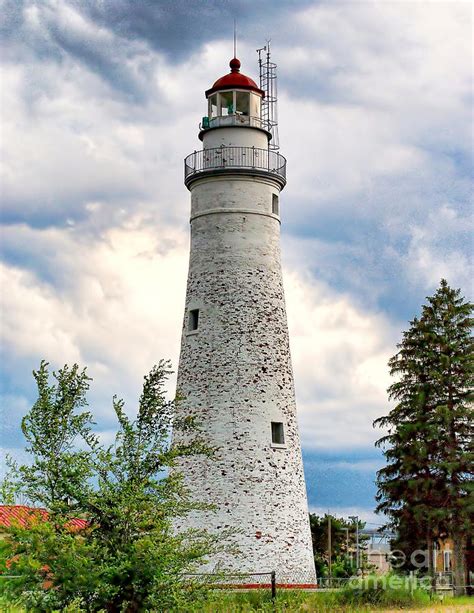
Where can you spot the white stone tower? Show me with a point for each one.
(235, 368)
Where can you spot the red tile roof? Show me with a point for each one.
(25, 516)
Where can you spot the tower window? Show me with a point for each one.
(275, 205)
(278, 437)
(193, 320)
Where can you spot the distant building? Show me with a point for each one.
(378, 550)
(444, 563)
(25, 516)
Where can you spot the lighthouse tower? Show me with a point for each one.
(235, 373)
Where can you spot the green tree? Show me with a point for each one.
(407, 484)
(128, 558)
(426, 487)
(51, 429)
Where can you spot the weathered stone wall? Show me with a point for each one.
(236, 376)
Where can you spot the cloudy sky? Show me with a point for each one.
(101, 101)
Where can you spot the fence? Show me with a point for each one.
(237, 581)
(335, 583)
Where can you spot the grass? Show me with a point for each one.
(8, 607)
(373, 595)
(467, 600)
(386, 591)
(343, 601)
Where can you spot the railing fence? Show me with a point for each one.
(242, 581)
(235, 157)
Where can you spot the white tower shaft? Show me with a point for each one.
(235, 370)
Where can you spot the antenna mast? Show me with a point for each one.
(235, 39)
(268, 83)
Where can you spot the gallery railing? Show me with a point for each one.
(245, 158)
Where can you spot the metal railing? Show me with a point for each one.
(270, 580)
(237, 581)
(222, 121)
(243, 158)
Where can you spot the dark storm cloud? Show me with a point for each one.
(178, 27)
(103, 59)
(124, 29)
(49, 37)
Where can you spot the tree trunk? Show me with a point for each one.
(459, 564)
(431, 569)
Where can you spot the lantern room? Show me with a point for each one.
(233, 100)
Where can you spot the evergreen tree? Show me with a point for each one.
(427, 483)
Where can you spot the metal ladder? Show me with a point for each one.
(268, 83)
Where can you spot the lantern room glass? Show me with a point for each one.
(223, 104)
(227, 103)
(242, 103)
(213, 106)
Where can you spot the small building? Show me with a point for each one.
(378, 550)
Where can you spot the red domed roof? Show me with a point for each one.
(234, 80)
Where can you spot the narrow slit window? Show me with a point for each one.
(193, 320)
(278, 437)
(275, 205)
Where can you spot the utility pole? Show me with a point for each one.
(329, 549)
(357, 545)
(347, 542)
(355, 518)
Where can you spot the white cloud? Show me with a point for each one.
(116, 304)
(375, 120)
(427, 258)
(377, 53)
(347, 148)
(340, 355)
(355, 465)
(72, 140)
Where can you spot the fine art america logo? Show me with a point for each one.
(418, 560)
